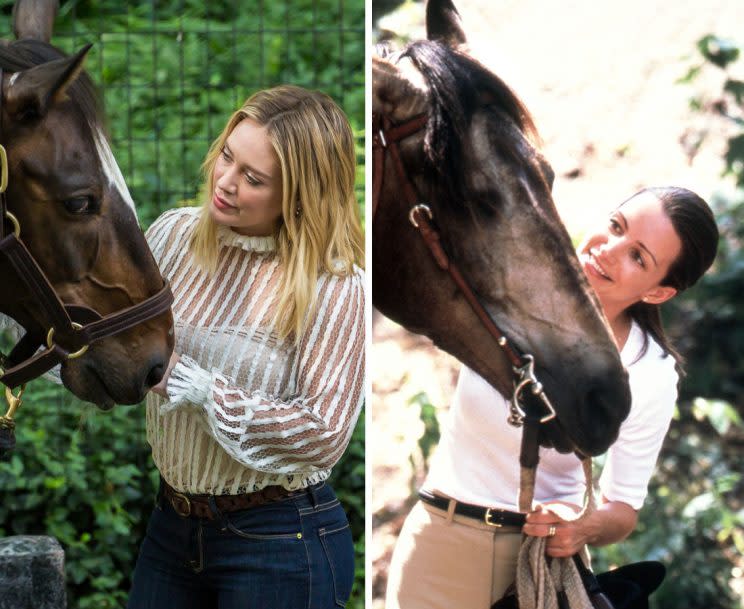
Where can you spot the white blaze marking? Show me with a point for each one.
(111, 168)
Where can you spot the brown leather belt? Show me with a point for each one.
(198, 506)
(491, 516)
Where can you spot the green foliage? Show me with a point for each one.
(427, 441)
(171, 72)
(709, 319)
(428, 415)
(718, 51)
(86, 478)
(693, 519)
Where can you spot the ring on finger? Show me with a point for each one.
(551, 530)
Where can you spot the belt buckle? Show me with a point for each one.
(487, 519)
(181, 504)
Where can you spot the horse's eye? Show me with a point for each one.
(80, 205)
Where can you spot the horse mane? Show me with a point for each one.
(27, 53)
(459, 86)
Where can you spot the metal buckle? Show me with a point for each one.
(415, 210)
(181, 504)
(487, 519)
(78, 353)
(15, 223)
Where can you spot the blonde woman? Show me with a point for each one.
(266, 383)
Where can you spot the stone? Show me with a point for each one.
(32, 573)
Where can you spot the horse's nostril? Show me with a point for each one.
(154, 376)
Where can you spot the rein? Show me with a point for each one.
(63, 331)
(527, 408)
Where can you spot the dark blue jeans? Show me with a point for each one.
(291, 554)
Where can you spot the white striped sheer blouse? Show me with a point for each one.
(246, 409)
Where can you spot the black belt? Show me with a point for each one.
(492, 517)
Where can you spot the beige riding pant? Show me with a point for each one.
(445, 561)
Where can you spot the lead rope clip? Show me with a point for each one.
(526, 378)
(7, 424)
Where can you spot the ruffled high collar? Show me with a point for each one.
(230, 238)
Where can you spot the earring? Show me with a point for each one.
(298, 211)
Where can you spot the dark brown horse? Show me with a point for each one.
(475, 162)
(75, 213)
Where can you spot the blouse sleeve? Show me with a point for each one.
(309, 431)
(632, 459)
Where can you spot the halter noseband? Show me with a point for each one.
(75, 325)
(386, 136)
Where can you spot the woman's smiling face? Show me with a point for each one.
(626, 259)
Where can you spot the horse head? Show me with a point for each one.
(477, 165)
(75, 213)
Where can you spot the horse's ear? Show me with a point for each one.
(34, 19)
(443, 23)
(30, 93)
(398, 90)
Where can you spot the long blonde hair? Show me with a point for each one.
(319, 229)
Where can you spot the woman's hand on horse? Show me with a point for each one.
(161, 387)
(557, 522)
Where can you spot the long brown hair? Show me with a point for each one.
(695, 225)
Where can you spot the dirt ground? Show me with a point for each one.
(599, 78)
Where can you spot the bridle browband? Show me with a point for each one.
(62, 331)
(525, 406)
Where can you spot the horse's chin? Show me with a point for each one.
(85, 383)
(106, 406)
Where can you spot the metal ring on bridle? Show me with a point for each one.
(15, 223)
(3, 169)
(77, 353)
(419, 208)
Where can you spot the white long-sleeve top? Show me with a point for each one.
(245, 408)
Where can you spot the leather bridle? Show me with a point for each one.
(61, 331)
(528, 398)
